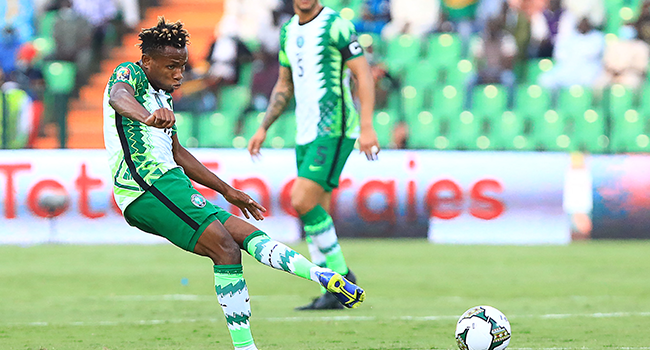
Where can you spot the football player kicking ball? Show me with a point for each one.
(152, 172)
(318, 48)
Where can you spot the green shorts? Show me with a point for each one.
(173, 209)
(322, 160)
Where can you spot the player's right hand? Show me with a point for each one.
(162, 118)
(255, 143)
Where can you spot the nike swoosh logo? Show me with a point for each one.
(314, 168)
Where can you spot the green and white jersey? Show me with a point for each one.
(138, 154)
(316, 52)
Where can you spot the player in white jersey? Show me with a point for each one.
(151, 181)
(318, 49)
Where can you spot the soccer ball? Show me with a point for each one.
(483, 328)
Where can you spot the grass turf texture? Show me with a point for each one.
(591, 295)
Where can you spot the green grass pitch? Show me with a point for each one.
(587, 295)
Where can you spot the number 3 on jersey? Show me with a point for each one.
(301, 70)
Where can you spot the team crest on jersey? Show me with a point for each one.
(123, 73)
(198, 200)
(300, 41)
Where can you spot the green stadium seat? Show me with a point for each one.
(589, 132)
(458, 75)
(644, 101)
(373, 40)
(574, 101)
(626, 131)
(465, 130)
(384, 121)
(447, 101)
(402, 51)
(489, 101)
(551, 132)
(233, 100)
(413, 100)
(509, 132)
(424, 131)
(621, 99)
(532, 100)
(215, 130)
(421, 74)
(59, 76)
(185, 129)
(444, 51)
(535, 67)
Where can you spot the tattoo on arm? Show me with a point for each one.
(282, 94)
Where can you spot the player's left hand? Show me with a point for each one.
(249, 207)
(369, 144)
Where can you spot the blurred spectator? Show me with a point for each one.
(494, 55)
(28, 76)
(99, 14)
(594, 10)
(400, 135)
(385, 84)
(129, 11)
(374, 16)
(414, 17)
(248, 15)
(577, 197)
(547, 27)
(577, 58)
(16, 116)
(227, 53)
(642, 25)
(266, 66)
(625, 61)
(488, 9)
(516, 18)
(19, 15)
(73, 39)
(458, 16)
(9, 45)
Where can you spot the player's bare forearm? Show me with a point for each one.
(123, 102)
(280, 98)
(195, 170)
(366, 89)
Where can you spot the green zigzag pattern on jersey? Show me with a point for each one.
(330, 63)
(231, 288)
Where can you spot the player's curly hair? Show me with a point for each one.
(163, 34)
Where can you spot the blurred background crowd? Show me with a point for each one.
(545, 75)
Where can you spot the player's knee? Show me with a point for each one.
(217, 244)
(301, 204)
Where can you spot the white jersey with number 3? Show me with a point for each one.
(316, 52)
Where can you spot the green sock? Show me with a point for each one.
(232, 294)
(278, 256)
(319, 227)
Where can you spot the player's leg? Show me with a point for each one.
(306, 198)
(217, 244)
(279, 256)
(319, 167)
(173, 209)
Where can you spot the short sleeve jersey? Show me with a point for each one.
(316, 52)
(138, 154)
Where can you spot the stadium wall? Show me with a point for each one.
(449, 197)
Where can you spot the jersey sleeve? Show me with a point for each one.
(128, 73)
(282, 56)
(344, 38)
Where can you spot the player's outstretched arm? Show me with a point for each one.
(122, 100)
(282, 94)
(196, 171)
(368, 142)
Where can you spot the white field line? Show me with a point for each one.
(328, 318)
